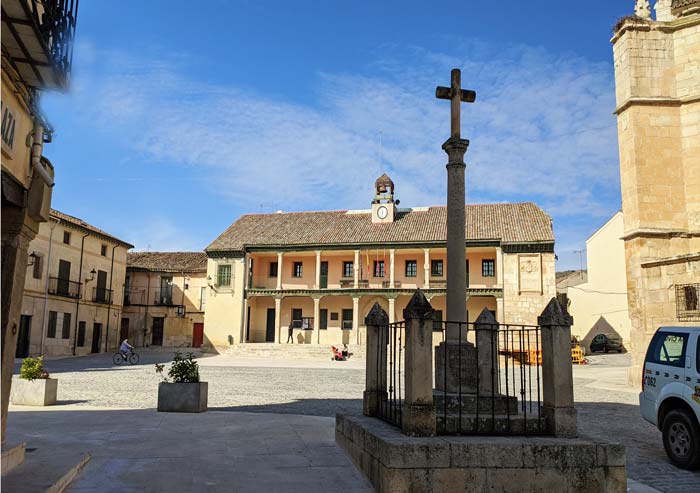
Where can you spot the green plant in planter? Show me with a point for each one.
(33, 369)
(182, 370)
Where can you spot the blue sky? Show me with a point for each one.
(184, 115)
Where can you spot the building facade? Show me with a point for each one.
(657, 84)
(73, 289)
(322, 272)
(599, 305)
(164, 299)
(36, 55)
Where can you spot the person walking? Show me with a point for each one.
(290, 333)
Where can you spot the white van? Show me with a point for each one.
(670, 397)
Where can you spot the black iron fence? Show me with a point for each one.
(488, 379)
(390, 372)
(64, 287)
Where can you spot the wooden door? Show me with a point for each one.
(96, 337)
(270, 327)
(197, 334)
(63, 277)
(296, 318)
(324, 275)
(157, 331)
(25, 326)
(101, 290)
(124, 329)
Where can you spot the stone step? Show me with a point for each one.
(467, 403)
(500, 424)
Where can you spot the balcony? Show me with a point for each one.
(64, 287)
(38, 38)
(102, 295)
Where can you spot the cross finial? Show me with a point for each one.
(456, 95)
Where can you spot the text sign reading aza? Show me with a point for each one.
(8, 126)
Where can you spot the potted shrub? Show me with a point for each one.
(185, 393)
(34, 387)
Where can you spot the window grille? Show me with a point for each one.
(688, 302)
(224, 275)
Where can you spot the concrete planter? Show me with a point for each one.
(39, 392)
(183, 397)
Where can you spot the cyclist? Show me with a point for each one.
(125, 349)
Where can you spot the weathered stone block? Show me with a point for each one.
(610, 454)
(456, 367)
(182, 397)
(39, 392)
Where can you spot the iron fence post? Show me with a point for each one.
(419, 410)
(557, 377)
(375, 375)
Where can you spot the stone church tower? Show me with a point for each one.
(657, 86)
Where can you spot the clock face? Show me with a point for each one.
(382, 212)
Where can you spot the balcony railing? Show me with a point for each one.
(40, 39)
(64, 287)
(102, 295)
(156, 296)
(163, 297)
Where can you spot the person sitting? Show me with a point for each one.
(345, 351)
(337, 354)
(126, 348)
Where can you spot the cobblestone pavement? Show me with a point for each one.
(608, 408)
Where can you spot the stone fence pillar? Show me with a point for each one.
(418, 416)
(557, 377)
(486, 329)
(377, 322)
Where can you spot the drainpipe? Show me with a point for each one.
(80, 285)
(45, 322)
(145, 313)
(37, 144)
(109, 305)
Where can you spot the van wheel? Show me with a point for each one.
(681, 436)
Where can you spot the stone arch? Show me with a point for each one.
(367, 302)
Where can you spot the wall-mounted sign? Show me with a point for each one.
(8, 125)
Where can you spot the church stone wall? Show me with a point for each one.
(657, 76)
(528, 285)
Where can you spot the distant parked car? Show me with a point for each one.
(606, 343)
(670, 397)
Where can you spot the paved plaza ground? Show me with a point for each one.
(112, 409)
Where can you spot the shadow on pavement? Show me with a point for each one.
(307, 407)
(103, 361)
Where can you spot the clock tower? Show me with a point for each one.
(383, 205)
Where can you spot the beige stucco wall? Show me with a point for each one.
(657, 76)
(223, 316)
(600, 305)
(35, 296)
(15, 158)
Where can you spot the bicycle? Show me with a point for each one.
(119, 358)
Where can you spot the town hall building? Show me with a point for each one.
(322, 271)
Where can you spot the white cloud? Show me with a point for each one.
(541, 129)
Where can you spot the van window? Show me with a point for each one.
(668, 348)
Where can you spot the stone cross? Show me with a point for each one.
(456, 95)
(455, 147)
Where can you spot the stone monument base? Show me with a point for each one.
(395, 462)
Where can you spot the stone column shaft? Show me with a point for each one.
(279, 270)
(278, 318)
(557, 378)
(499, 267)
(16, 235)
(318, 269)
(426, 268)
(356, 269)
(356, 317)
(391, 268)
(418, 417)
(317, 319)
(456, 237)
(242, 338)
(392, 310)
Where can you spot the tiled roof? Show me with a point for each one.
(167, 261)
(79, 223)
(508, 223)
